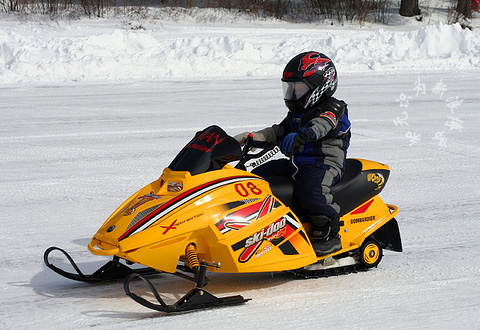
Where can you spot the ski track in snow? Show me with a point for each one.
(118, 106)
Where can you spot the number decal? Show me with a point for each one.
(240, 189)
(253, 188)
(245, 191)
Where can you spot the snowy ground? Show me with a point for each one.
(77, 142)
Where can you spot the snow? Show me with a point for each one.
(75, 52)
(91, 112)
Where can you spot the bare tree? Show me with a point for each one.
(409, 8)
(464, 7)
(10, 5)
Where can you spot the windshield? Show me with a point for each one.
(209, 150)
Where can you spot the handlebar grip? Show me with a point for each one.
(260, 144)
(297, 150)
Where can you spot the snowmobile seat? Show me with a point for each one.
(352, 190)
(353, 167)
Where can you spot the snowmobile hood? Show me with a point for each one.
(159, 210)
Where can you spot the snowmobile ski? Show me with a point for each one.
(111, 271)
(197, 298)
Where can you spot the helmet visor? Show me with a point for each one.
(294, 90)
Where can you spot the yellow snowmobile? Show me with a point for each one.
(203, 215)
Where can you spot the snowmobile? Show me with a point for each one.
(204, 214)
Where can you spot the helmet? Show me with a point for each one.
(308, 78)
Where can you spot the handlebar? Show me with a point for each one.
(250, 145)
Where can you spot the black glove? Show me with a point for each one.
(293, 141)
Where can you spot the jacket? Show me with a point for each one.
(329, 120)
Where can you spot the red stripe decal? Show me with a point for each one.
(362, 208)
(330, 116)
(266, 207)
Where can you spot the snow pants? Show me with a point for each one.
(313, 183)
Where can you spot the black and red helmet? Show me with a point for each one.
(308, 78)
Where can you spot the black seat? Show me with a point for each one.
(352, 190)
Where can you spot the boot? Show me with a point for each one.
(324, 234)
(324, 241)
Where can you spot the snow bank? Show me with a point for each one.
(432, 47)
(69, 54)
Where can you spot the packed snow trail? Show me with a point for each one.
(73, 152)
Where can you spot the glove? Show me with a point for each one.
(256, 136)
(293, 141)
(241, 138)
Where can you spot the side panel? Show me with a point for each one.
(278, 243)
(249, 230)
(363, 221)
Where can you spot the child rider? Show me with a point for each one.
(315, 136)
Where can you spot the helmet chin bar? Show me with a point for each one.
(295, 106)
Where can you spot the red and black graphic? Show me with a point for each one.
(275, 233)
(243, 217)
(311, 63)
(209, 139)
(363, 208)
(181, 200)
